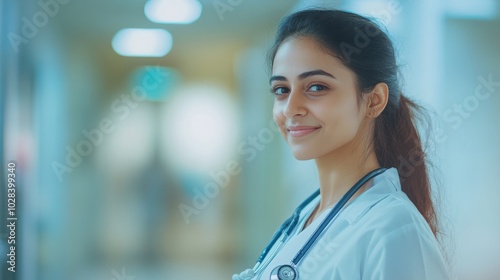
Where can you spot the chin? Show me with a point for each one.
(302, 155)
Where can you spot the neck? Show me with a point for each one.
(340, 170)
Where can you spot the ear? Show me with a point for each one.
(377, 100)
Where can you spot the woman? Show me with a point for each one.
(338, 101)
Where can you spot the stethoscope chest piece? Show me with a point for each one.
(284, 272)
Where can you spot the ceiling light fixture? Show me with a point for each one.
(173, 11)
(142, 42)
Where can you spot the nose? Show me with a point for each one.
(295, 105)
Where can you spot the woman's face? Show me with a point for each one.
(315, 103)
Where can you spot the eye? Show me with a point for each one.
(317, 87)
(279, 90)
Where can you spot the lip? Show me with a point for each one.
(301, 130)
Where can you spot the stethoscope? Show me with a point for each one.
(289, 271)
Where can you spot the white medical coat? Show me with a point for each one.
(379, 235)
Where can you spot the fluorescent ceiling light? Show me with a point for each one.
(142, 42)
(173, 11)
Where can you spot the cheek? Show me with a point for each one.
(339, 120)
(279, 119)
(348, 125)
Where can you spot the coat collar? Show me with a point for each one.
(384, 185)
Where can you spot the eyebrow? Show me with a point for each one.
(303, 75)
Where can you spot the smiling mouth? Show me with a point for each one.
(301, 131)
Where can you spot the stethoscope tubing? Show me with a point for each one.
(289, 225)
(336, 209)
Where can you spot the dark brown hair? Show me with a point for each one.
(363, 47)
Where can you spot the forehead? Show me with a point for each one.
(299, 54)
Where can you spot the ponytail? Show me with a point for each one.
(397, 143)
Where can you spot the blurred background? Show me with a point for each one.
(144, 146)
